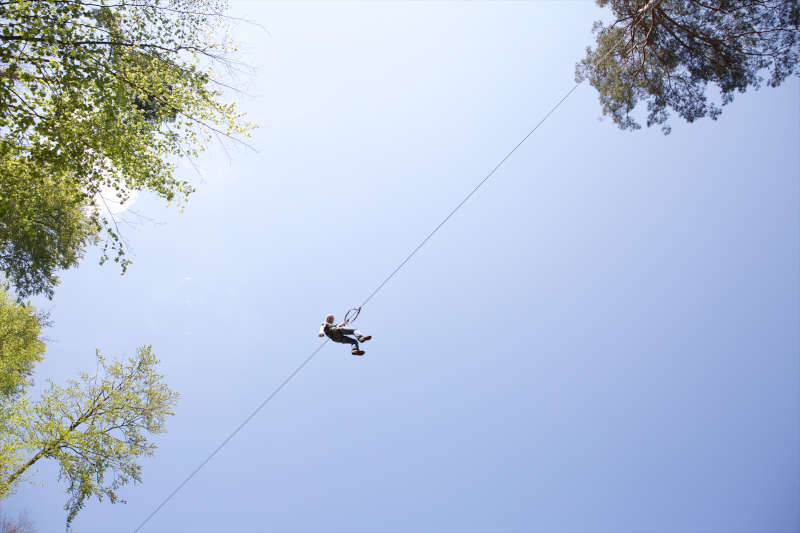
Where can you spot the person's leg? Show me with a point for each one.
(355, 349)
(361, 337)
(352, 341)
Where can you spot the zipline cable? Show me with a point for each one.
(380, 286)
(647, 7)
(235, 431)
(467, 197)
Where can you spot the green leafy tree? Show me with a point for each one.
(95, 427)
(96, 96)
(20, 347)
(665, 53)
(43, 228)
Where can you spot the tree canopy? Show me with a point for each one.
(99, 96)
(96, 428)
(43, 226)
(20, 347)
(665, 53)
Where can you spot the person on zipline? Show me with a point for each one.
(340, 334)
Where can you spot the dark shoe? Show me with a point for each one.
(357, 352)
(364, 338)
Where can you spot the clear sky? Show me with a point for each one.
(605, 338)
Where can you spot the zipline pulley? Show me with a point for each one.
(352, 315)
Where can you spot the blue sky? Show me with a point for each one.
(605, 338)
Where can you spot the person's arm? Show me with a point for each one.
(322, 330)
